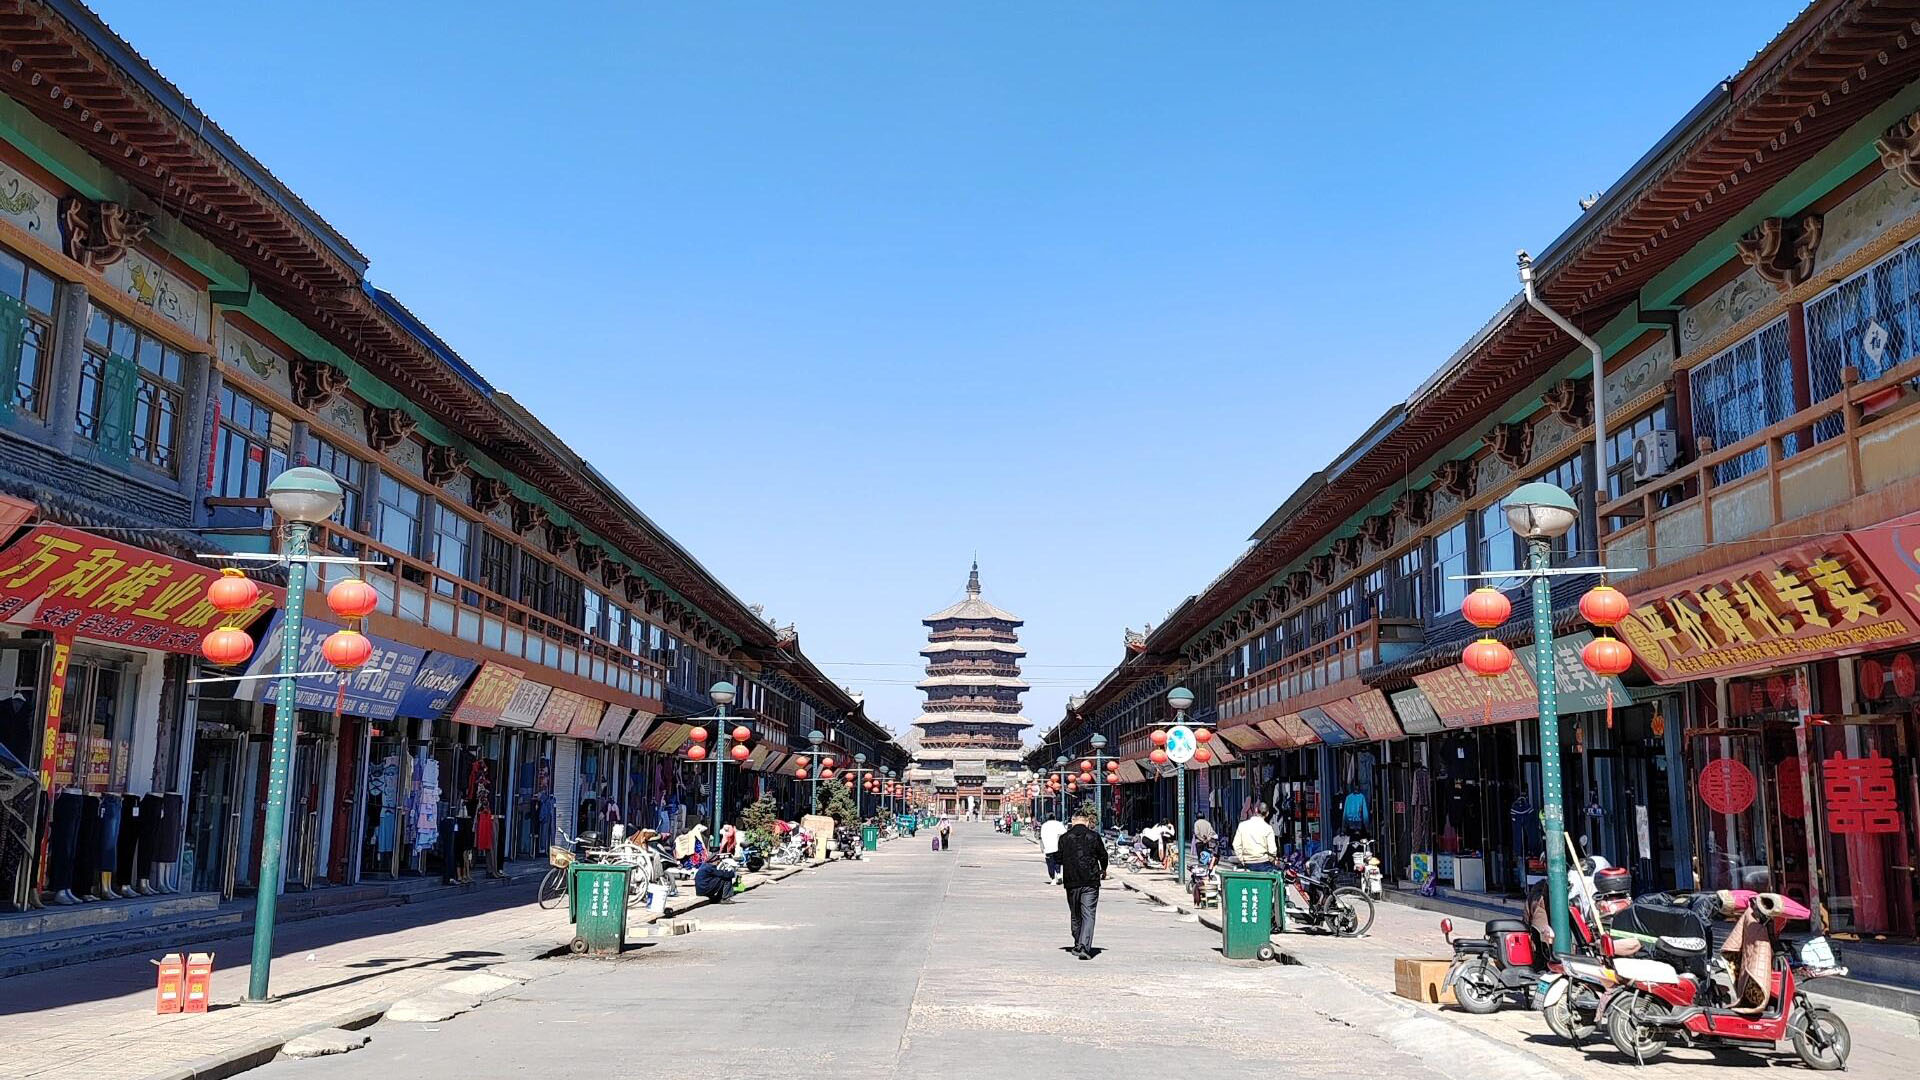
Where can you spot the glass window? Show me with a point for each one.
(496, 563)
(592, 612)
(452, 547)
(401, 510)
(536, 582)
(1375, 601)
(1497, 549)
(352, 477)
(1620, 448)
(1744, 390)
(1570, 477)
(244, 458)
(1449, 561)
(26, 301)
(130, 391)
(1409, 579)
(1866, 322)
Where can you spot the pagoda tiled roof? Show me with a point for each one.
(973, 716)
(968, 645)
(1002, 681)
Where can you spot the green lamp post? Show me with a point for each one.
(721, 694)
(1180, 700)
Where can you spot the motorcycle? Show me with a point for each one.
(1311, 900)
(1512, 963)
(1682, 994)
(1366, 866)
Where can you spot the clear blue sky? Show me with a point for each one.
(842, 293)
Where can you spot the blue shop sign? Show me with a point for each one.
(373, 691)
(435, 685)
(1324, 726)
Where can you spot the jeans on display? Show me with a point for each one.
(107, 859)
(86, 857)
(132, 843)
(63, 839)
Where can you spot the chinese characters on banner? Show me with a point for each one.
(74, 583)
(523, 708)
(373, 689)
(1365, 716)
(1463, 699)
(559, 711)
(1820, 599)
(488, 695)
(1860, 794)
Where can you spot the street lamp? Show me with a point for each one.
(1180, 700)
(1060, 763)
(1099, 743)
(859, 803)
(302, 497)
(721, 694)
(814, 739)
(1542, 513)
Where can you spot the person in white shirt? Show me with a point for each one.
(1050, 832)
(1254, 843)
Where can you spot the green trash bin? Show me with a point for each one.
(1246, 914)
(597, 906)
(869, 838)
(1018, 827)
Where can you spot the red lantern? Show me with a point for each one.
(800, 773)
(1158, 757)
(352, 598)
(1202, 755)
(826, 763)
(1203, 734)
(1607, 656)
(742, 733)
(1604, 605)
(1486, 607)
(1159, 737)
(740, 752)
(696, 752)
(227, 646)
(1073, 785)
(849, 781)
(232, 592)
(699, 735)
(1086, 765)
(1487, 658)
(347, 649)
(826, 774)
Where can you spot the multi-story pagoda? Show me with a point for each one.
(967, 741)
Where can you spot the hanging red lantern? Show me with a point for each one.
(696, 752)
(1604, 605)
(849, 781)
(1086, 765)
(1487, 658)
(1202, 755)
(347, 649)
(1073, 785)
(800, 773)
(826, 774)
(698, 734)
(740, 752)
(826, 762)
(1203, 734)
(232, 592)
(1159, 737)
(1486, 607)
(352, 598)
(1158, 757)
(1607, 656)
(227, 646)
(742, 733)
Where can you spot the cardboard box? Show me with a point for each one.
(1421, 980)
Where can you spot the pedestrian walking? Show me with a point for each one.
(946, 836)
(1050, 832)
(1254, 843)
(1083, 865)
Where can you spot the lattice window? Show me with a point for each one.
(1869, 321)
(1745, 389)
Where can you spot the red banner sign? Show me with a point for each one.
(1365, 716)
(487, 696)
(75, 583)
(1462, 699)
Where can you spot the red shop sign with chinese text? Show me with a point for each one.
(1726, 786)
(72, 582)
(1860, 793)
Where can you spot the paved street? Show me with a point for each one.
(954, 965)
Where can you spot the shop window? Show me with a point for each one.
(1449, 561)
(26, 333)
(244, 458)
(351, 475)
(130, 393)
(401, 512)
(1741, 391)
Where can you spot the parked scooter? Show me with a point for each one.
(1512, 960)
(1683, 994)
(1313, 901)
(1365, 865)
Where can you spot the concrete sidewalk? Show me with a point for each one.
(1885, 1043)
(96, 1020)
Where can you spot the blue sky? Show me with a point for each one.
(842, 293)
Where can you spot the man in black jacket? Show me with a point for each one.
(1083, 863)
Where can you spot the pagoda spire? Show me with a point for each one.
(973, 579)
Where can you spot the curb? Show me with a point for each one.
(252, 1055)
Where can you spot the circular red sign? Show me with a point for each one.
(1873, 680)
(1793, 801)
(1726, 786)
(1777, 691)
(1903, 675)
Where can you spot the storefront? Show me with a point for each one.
(1799, 677)
(97, 725)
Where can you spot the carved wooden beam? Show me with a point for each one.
(564, 539)
(1321, 567)
(488, 494)
(1377, 530)
(592, 557)
(442, 464)
(1511, 443)
(1899, 148)
(1346, 550)
(1571, 400)
(527, 516)
(1783, 250)
(315, 384)
(387, 428)
(1456, 478)
(1415, 506)
(97, 234)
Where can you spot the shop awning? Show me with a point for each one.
(1246, 737)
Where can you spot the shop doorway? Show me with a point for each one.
(1864, 782)
(214, 809)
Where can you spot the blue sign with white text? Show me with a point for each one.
(1323, 725)
(435, 685)
(373, 690)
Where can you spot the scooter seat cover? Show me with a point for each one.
(1635, 969)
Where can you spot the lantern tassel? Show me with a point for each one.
(1609, 704)
(1488, 718)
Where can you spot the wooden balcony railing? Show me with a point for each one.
(1317, 667)
(416, 591)
(1856, 442)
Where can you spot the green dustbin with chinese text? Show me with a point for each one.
(1018, 827)
(1246, 914)
(597, 905)
(869, 838)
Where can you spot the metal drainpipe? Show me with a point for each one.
(1598, 480)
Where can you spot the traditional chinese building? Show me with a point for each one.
(968, 739)
(1753, 478)
(177, 328)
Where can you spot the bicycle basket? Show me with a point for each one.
(560, 857)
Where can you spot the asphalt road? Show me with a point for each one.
(910, 964)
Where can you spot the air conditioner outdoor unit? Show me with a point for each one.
(1653, 454)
